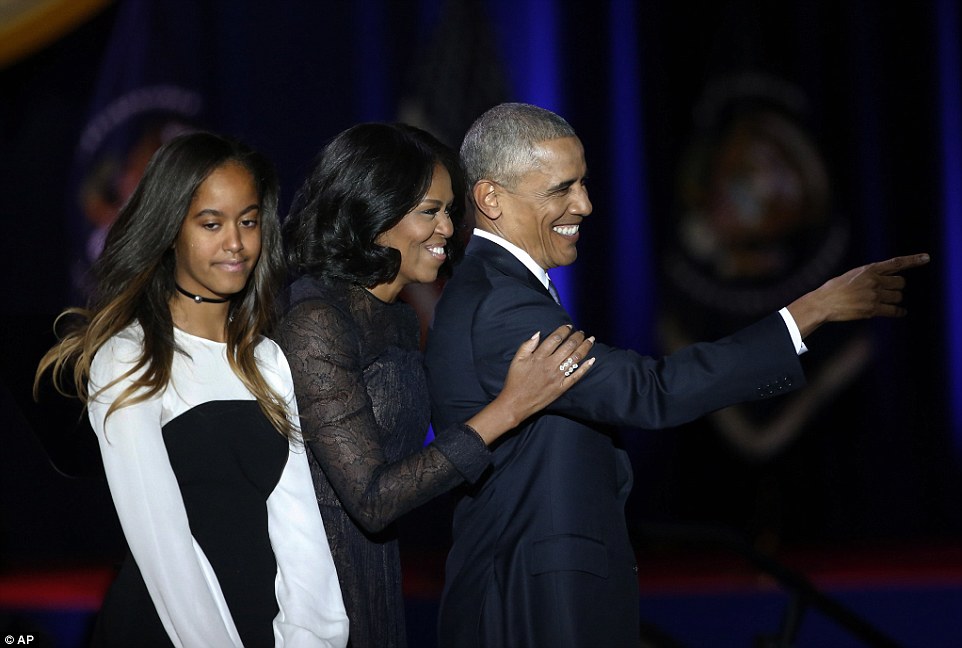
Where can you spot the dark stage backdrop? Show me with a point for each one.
(740, 153)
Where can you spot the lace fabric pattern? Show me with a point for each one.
(363, 400)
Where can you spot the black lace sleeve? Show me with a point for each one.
(337, 418)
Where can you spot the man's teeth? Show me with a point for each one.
(566, 230)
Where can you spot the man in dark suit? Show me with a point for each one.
(541, 553)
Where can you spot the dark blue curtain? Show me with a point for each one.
(872, 89)
(946, 20)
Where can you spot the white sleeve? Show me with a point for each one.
(800, 347)
(179, 578)
(308, 593)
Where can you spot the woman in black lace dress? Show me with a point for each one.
(382, 209)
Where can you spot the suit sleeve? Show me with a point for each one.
(626, 388)
(179, 578)
(311, 611)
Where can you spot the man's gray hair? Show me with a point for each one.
(500, 145)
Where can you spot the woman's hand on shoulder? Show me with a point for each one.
(542, 370)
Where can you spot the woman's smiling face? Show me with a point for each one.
(421, 237)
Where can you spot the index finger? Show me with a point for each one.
(896, 264)
(553, 340)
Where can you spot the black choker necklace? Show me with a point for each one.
(198, 298)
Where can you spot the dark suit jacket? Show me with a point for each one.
(541, 554)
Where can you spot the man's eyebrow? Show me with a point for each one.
(562, 186)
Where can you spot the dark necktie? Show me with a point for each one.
(553, 291)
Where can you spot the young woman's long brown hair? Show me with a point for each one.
(135, 279)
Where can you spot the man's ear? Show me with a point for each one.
(485, 194)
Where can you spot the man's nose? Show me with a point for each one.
(581, 204)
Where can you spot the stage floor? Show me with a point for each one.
(910, 594)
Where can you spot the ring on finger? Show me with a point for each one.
(566, 365)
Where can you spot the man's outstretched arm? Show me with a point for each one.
(872, 290)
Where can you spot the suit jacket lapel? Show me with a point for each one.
(505, 262)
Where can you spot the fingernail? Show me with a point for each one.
(589, 362)
(536, 335)
(592, 339)
(569, 326)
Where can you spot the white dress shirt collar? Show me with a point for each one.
(518, 253)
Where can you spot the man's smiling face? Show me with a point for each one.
(542, 213)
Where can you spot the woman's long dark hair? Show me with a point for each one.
(135, 277)
(363, 183)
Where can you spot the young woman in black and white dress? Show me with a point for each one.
(195, 414)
